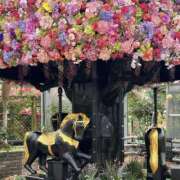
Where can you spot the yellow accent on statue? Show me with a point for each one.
(26, 151)
(47, 138)
(74, 117)
(50, 138)
(153, 136)
(68, 140)
(50, 150)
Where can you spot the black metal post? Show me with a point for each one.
(60, 106)
(120, 127)
(95, 134)
(60, 86)
(155, 105)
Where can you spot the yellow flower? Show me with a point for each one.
(145, 47)
(116, 47)
(46, 6)
(18, 33)
(89, 30)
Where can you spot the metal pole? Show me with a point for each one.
(95, 134)
(60, 106)
(34, 120)
(60, 86)
(155, 105)
(43, 110)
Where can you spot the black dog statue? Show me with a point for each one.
(61, 144)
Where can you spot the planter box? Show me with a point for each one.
(10, 163)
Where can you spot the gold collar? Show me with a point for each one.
(68, 139)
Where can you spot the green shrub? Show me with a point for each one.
(134, 171)
(88, 173)
(3, 140)
(20, 178)
(111, 172)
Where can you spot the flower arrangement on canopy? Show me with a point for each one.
(34, 31)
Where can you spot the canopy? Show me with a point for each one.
(33, 31)
(42, 76)
(45, 76)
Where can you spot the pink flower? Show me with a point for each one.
(127, 46)
(155, 19)
(177, 46)
(26, 58)
(46, 42)
(92, 8)
(105, 54)
(2, 65)
(62, 24)
(42, 56)
(102, 27)
(168, 41)
(90, 53)
(54, 55)
(46, 22)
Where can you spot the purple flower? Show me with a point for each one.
(12, 34)
(22, 26)
(106, 15)
(148, 29)
(72, 9)
(177, 1)
(1, 36)
(62, 38)
(166, 18)
(7, 56)
(15, 45)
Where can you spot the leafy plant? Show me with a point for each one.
(141, 107)
(89, 173)
(3, 140)
(111, 172)
(19, 178)
(134, 171)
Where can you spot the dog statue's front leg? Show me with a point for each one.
(68, 157)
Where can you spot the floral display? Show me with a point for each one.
(34, 31)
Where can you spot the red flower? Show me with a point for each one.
(58, 45)
(106, 7)
(31, 2)
(95, 26)
(176, 62)
(177, 35)
(1, 9)
(6, 48)
(144, 7)
(79, 21)
(102, 42)
(135, 1)
(15, 14)
(147, 17)
(159, 36)
(52, 34)
(117, 18)
(118, 56)
(124, 10)
(157, 53)
(83, 6)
